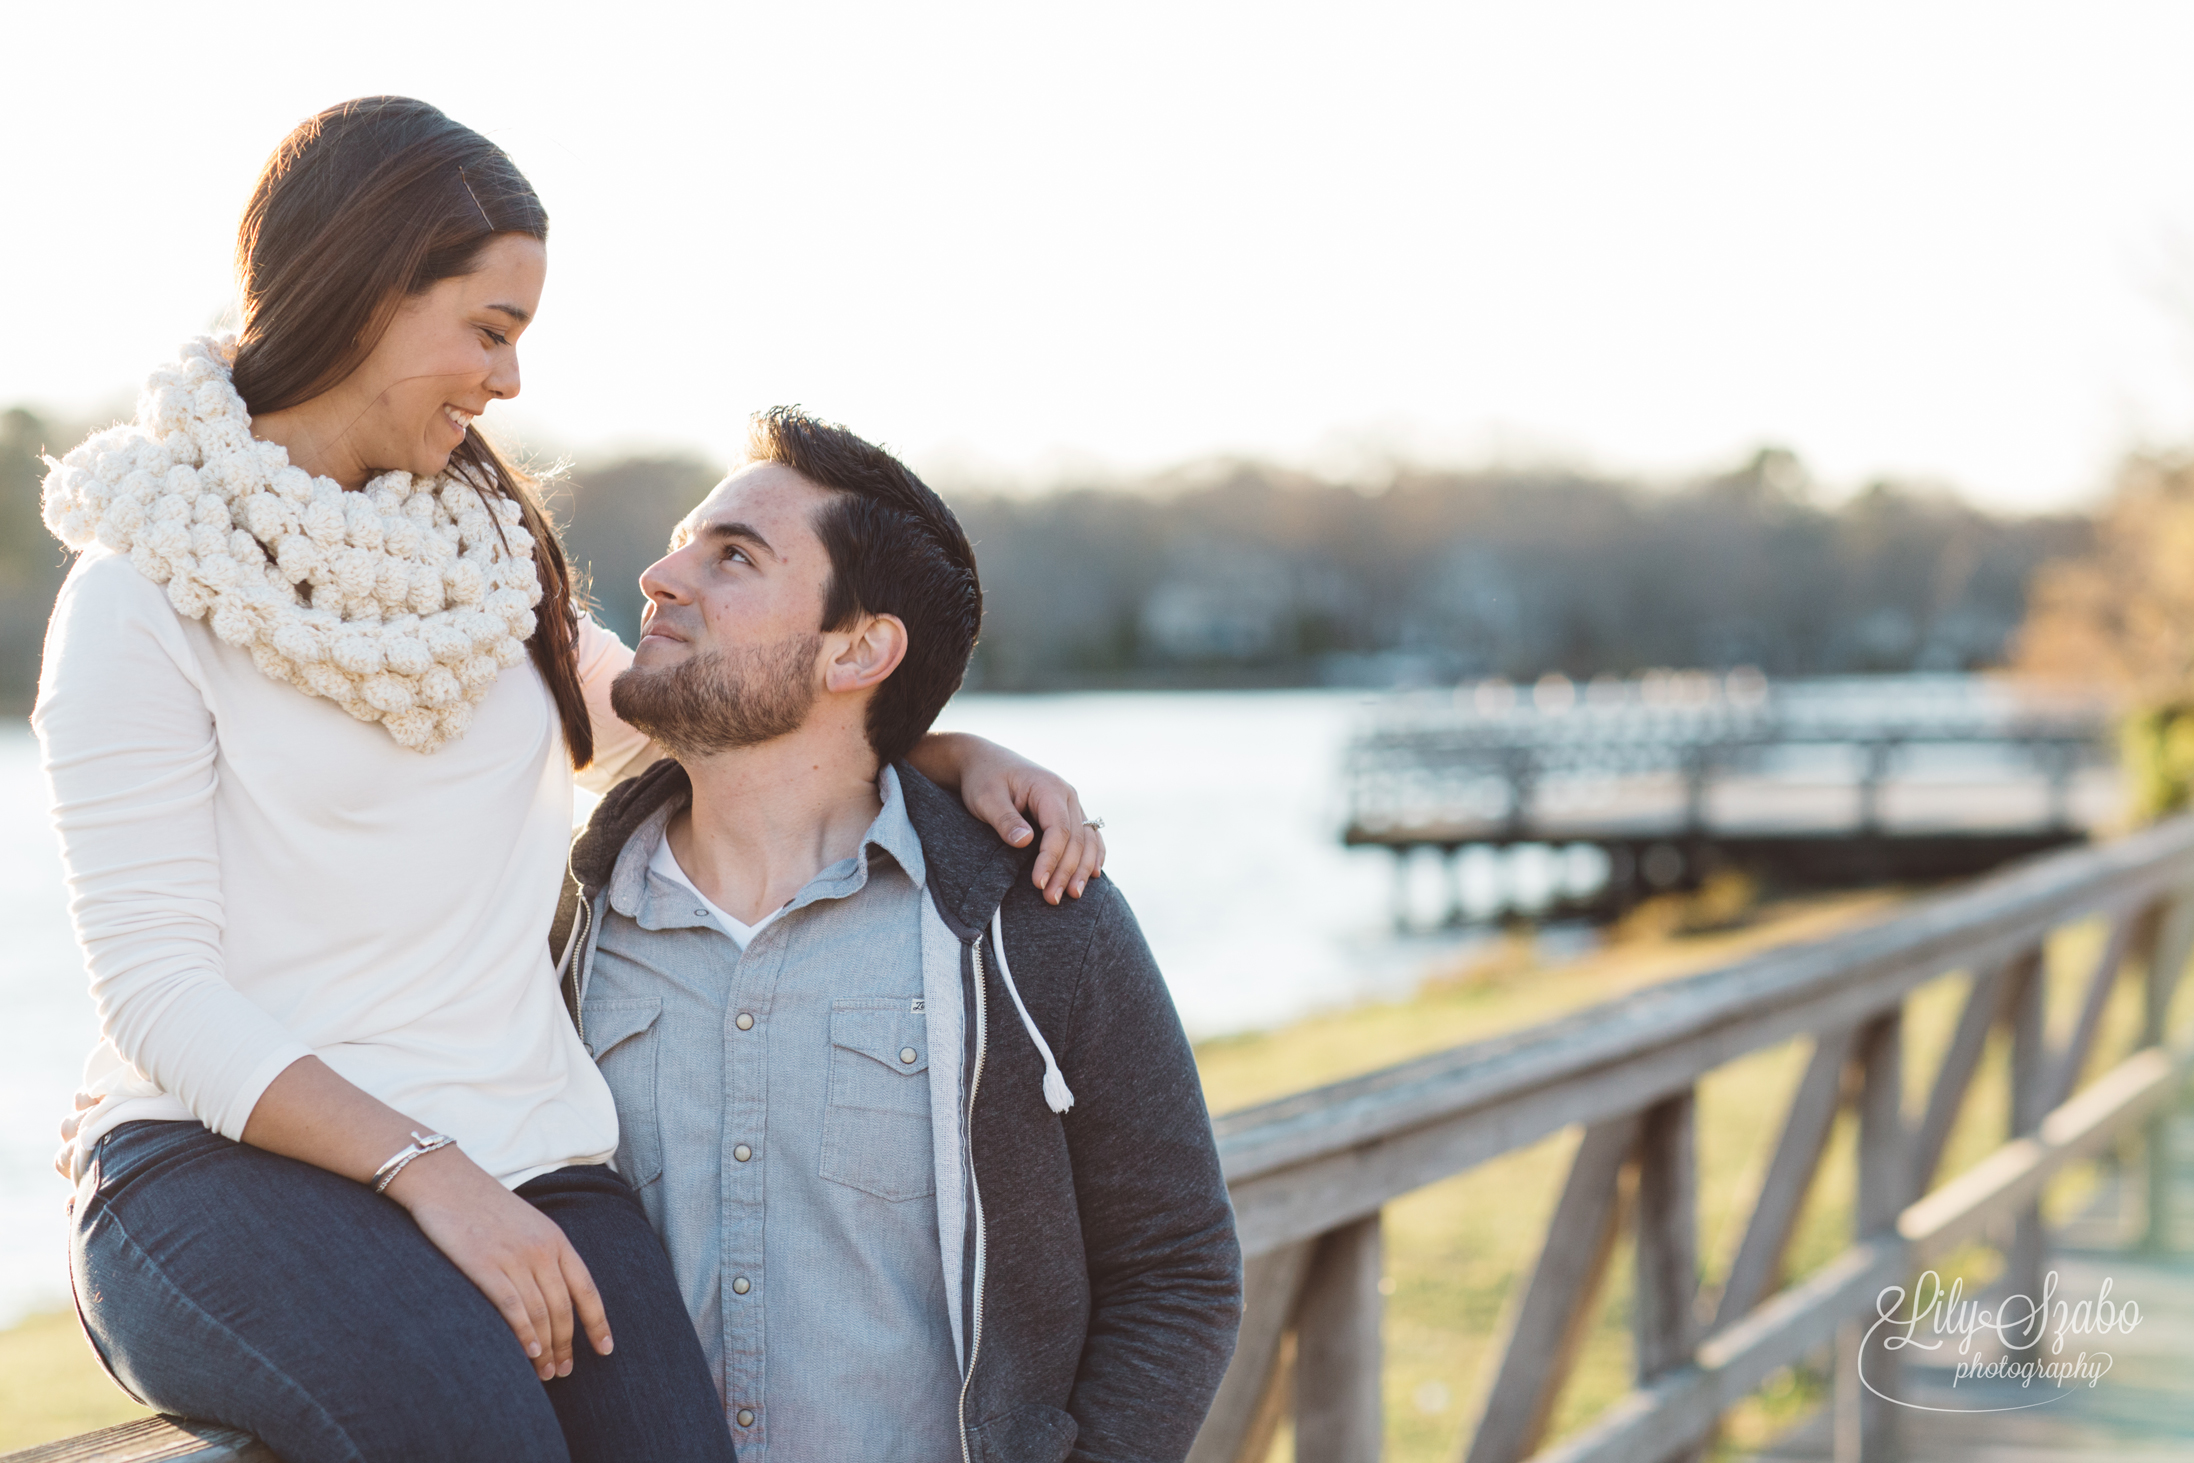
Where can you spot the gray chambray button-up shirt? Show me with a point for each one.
(774, 1114)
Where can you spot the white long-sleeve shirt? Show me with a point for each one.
(255, 877)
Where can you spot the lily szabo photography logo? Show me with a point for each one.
(2049, 1342)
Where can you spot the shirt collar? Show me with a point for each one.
(891, 831)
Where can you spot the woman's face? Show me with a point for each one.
(450, 351)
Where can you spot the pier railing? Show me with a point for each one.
(1311, 1173)
(1838, 781)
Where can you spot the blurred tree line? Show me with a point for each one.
(1243, 574)
(1240, 574)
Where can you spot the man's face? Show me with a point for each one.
(731, 650)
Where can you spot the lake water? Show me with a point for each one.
(1221, 812)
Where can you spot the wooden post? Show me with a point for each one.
(1338, 1412)
(1668, 1236)
(1865, 1423)
(1253, 1395)
(1401, 888)
(2029, 1078)
(2166, 960)
(1806, 1127)
(1546, 1322)
(1983, 1004)
(1878, 755)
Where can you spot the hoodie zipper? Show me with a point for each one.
(582, 925)
(975, 1082)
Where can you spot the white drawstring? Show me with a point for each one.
(1055, 1082)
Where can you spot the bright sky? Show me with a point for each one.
(1945, 241)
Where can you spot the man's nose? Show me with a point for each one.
(665, 580)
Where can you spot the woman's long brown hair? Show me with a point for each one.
(366, 203)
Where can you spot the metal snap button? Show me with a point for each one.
(745, 1022)
(740, 1286)
(746, 1417)
(742, 1153)
(908, 1055)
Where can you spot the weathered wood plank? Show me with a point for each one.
(1968, 1044)
(1679, 1409)
(1552, 1310)
(2011, 1178)
(1339, 1417)
(1812, 1116)
(2064, 1072)
(1662, 1321)
(152, 1440)
(1985, 922)
(2160, 982)
(1865, 1423)
(1247, 1410)
(2027, 1017)
(1310, 1163)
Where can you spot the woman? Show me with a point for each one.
(310, 704)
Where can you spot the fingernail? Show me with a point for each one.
(608, 1346)
(1078, 888)
(533, 1348)
(564, 1370)
(1020, 835)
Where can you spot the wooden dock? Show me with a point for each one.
(1885, 779)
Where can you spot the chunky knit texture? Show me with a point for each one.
(401, 602)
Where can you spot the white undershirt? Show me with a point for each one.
(666, 863)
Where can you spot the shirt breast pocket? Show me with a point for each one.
(621, 1039)
(876, 1124)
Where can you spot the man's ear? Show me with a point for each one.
(878, 644)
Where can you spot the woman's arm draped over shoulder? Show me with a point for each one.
(619, 750)
(129, 748)
(998, 786)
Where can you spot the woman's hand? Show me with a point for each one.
(999, 786)
(70, 1127)
(515, 1254)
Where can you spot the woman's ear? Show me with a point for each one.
(877, 646)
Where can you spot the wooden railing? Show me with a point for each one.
(1310, 1174)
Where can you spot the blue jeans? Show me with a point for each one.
(226, 1283)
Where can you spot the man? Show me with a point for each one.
(841, 1026)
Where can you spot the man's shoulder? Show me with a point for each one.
(620, 813)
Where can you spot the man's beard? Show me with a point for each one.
(715, 702)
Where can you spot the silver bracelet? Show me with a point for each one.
(421, 1144)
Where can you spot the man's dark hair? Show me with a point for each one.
(895, 549)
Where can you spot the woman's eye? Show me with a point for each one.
(491, 335)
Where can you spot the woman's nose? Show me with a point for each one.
(503, 376)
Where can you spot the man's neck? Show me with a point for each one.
(766, 819)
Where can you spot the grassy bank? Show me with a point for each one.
(51, 1385)
(1455, 1250)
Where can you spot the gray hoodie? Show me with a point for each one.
(1096, 1272)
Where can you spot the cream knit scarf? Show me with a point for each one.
(401, 602)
